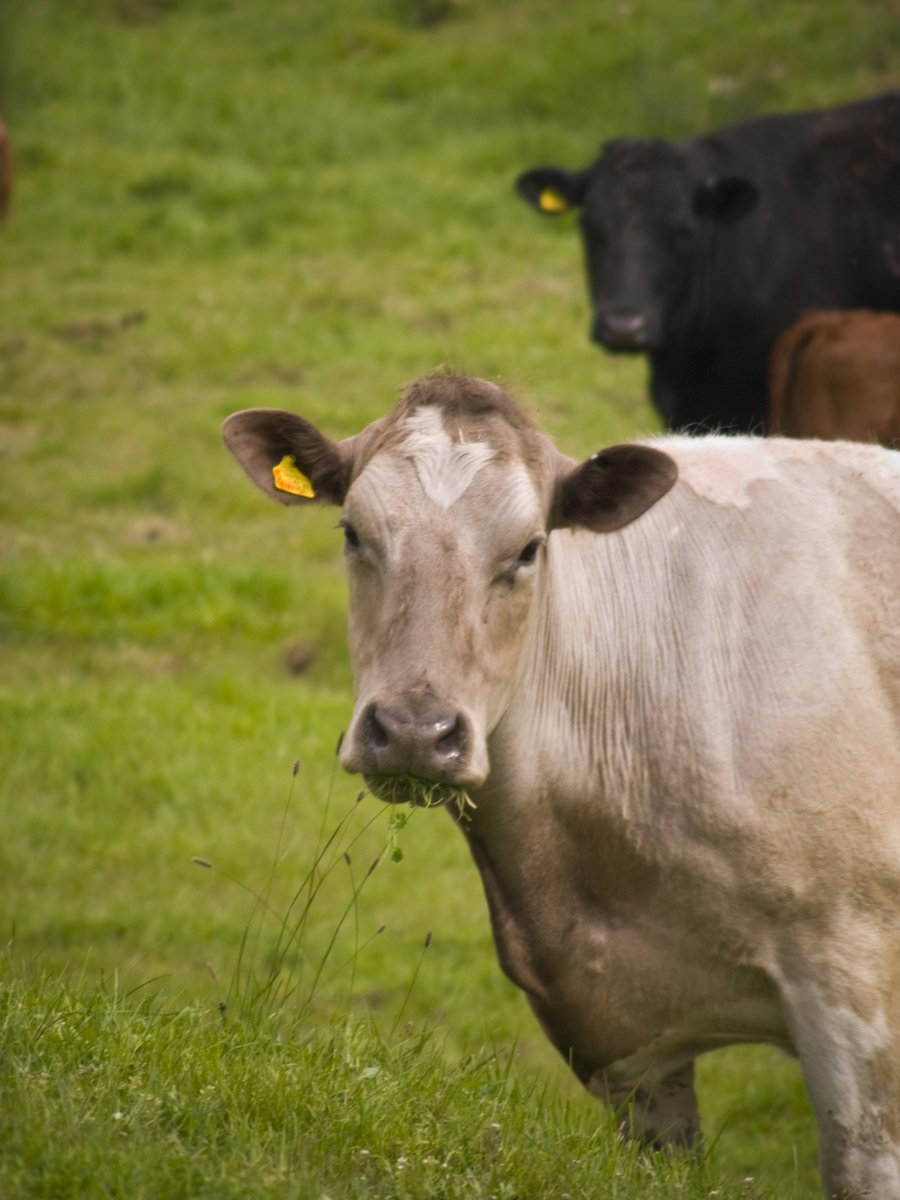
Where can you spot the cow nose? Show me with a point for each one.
(621, 330)
(417, 740)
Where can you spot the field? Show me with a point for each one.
(222, 974)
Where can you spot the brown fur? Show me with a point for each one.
(836, 375)
(469, 407)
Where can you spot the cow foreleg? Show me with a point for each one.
(662, 1116)
(852, 1067)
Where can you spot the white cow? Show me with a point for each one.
(669, 679)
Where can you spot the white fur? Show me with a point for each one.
(445, 468)
(725, 469)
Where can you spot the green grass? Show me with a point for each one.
(180, 1102)
(303, 203)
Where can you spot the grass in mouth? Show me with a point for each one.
(420, 793)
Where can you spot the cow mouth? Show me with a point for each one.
(616, 344)
(418, 792)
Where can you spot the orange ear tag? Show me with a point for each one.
(552, 201)
(288, 477)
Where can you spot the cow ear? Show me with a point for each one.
(727, 198)
(287, 457)
(552, 190)
(613, 488)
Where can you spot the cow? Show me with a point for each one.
(659, 692)
(837, 375)
(700, 252)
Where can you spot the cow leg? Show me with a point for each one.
(660, 1117)
(852, 1068)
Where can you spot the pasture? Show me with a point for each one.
(222, 973)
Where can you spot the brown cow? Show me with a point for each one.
(836, 375)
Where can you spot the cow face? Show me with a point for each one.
(447, 508)
(644, 215)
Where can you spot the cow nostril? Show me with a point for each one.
(376, 734)
(626, 324)
(452, 743)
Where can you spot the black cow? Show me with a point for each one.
(700, 252)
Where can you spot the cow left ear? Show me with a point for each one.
(552, 190)
(726, 199)
(613, 488)
(287, 457)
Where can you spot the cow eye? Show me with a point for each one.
(594, 232)
(351, 537)
(529, 553)
(525, 557)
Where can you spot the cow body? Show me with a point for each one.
(669, 678)
(837, 375)
(700, 252)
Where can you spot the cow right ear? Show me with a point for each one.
(287, 457)
(551, 190)
(613, 488)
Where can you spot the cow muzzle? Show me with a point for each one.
(414, 749)
(623, 331)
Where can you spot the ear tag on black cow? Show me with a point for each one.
(288, 477)
(552, 201)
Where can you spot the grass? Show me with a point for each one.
(176, 1102)
(408, 789)
(303, 205)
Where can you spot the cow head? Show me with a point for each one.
(645, 209)
(447, 507)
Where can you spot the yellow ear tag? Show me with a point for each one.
(552, 201)
(288, 477)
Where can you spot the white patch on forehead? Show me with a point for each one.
(445, 468)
